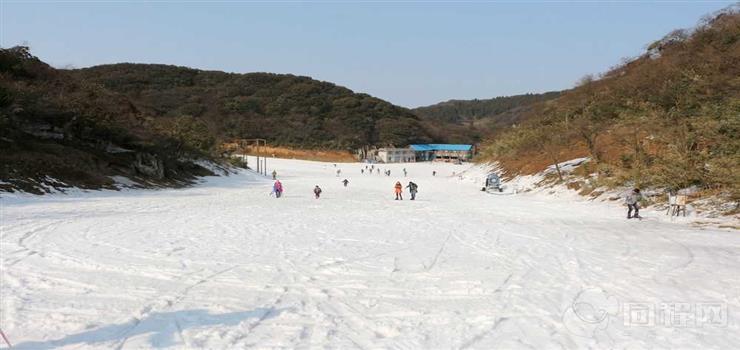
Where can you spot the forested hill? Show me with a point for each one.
(285, 109)
(154, 123)
(472, 121)
(58, 131)
(669, 118)
(504, 108)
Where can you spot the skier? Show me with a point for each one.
(345, 182)
(317, 191)
(378, 171)
(413, 188)
(277, 188)
(434, 173)
(389, 172)
(404, 172)
(339, 171)
(362, 171)
(632, 200)
(399, 190)
(274, 174)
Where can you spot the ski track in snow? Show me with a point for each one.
(226, 265)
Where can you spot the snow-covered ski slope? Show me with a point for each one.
(224, 265)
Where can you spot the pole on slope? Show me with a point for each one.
(264, 143)
(259, 148)
(5, 338)
(256, 145)
(264, 158)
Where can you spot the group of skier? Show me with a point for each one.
(277, 187)
(413, 189)
(632, 199)
(371, 168)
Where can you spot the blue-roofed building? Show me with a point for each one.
(443, 152)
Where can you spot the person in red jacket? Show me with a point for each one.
(399, 190)
(278, 189)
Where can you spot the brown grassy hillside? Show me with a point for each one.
(669, 118)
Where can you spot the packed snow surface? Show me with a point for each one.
(226, 265)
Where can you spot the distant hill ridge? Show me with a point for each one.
(473, 121)
(285, 109)
(464, 111)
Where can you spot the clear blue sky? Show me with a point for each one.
(410, 53)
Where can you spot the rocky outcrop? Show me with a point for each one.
(150, 165)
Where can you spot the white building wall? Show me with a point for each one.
(396, 155)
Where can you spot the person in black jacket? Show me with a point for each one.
(413, 188)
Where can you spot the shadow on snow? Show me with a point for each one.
(162, 327)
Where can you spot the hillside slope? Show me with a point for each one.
(57, 131)
(469, 121)
(286, 110)
(667, 119)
